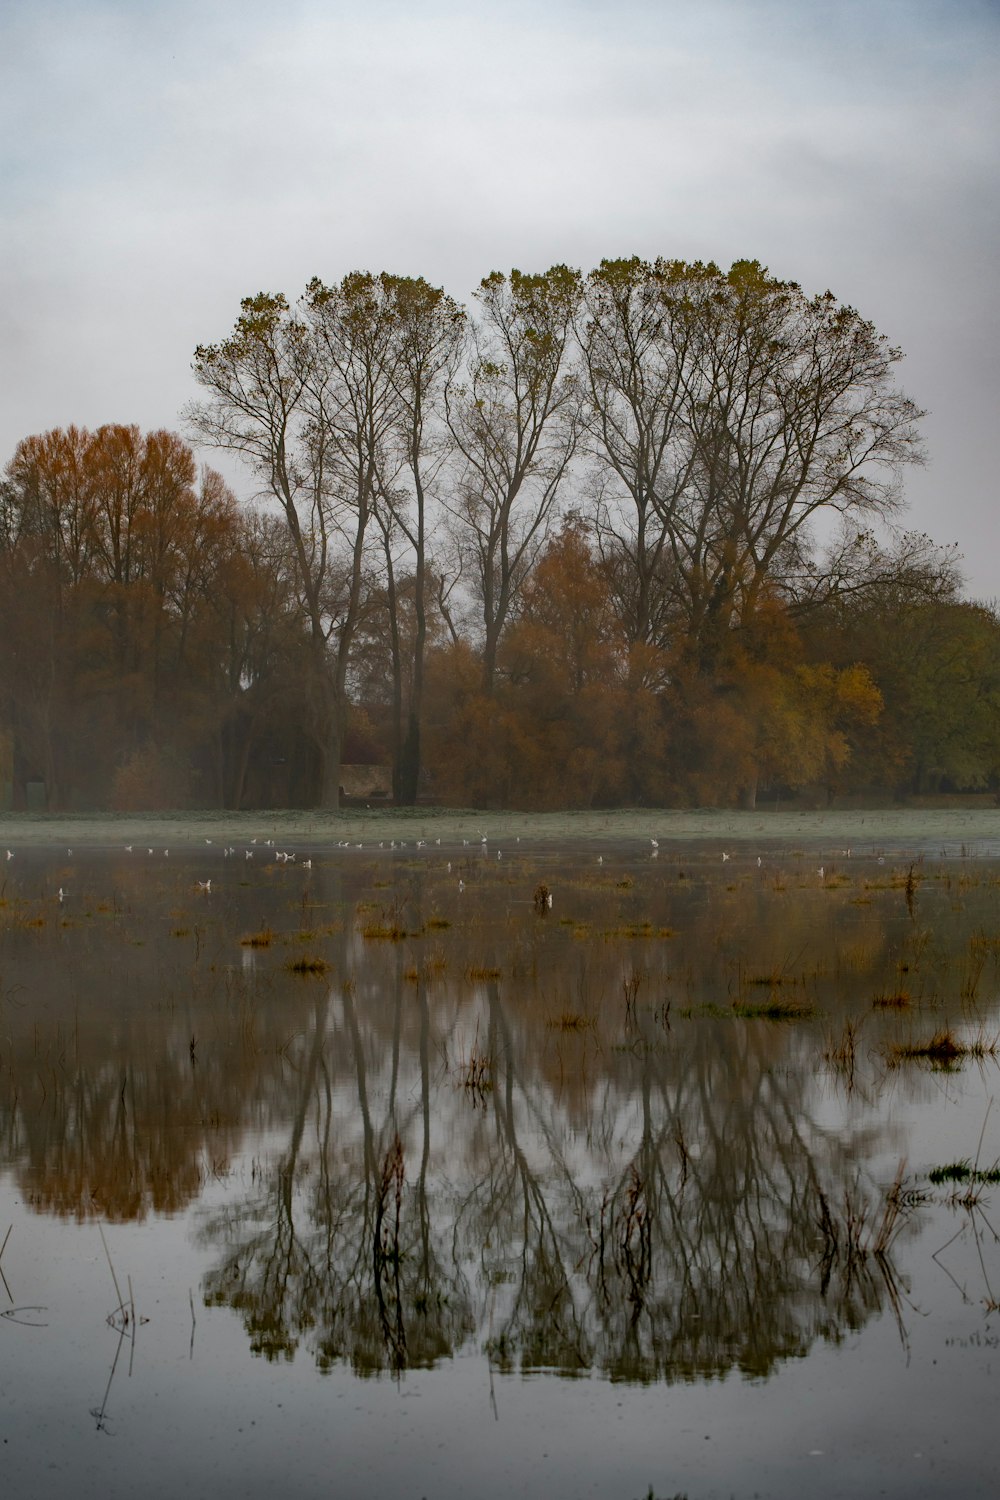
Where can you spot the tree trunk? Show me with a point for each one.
(409, 763)
(329, 795)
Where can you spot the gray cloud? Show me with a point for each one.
(161, 161)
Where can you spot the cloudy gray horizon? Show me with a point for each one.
(160, 161)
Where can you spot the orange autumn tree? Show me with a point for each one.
(768, 716)
(580, 724)
(113, 552)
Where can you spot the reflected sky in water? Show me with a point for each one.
(389, 1167)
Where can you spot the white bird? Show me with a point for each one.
(208, 841)
(307, 864)
(758, 861)
(724, 857)
(819, 872)
(499, 854)
(248, 853)
(69, 851)
(204, 885)
(461, 885)
(10, 854)
(600, 859)
(61, 893)
(128, 848)
(548, 900)
(655, 843)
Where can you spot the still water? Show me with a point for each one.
(387, 1174)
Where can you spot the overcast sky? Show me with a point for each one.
(161, 159)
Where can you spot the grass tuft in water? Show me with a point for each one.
(262, 939)
(308, 965)
(774, 1008)
(944, 1049)
(570, 1020)
(891, 1000)
(964, 1171)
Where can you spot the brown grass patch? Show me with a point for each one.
(892, 1000)
(308, 964)
(571, 1020)
(944, 1049)
(262, 939)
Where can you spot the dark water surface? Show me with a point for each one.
(386, 1177)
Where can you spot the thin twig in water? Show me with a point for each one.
(3, 1278)
(979, 1148)
(131, 1353)
(114, 1278)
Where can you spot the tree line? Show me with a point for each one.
(629, 536)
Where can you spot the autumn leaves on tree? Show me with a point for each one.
(600, 539)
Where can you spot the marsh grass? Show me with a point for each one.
(477, 1075)
(944, 1049)
(892, 1000)
(771, 979)
(308, 964)
(842, 1052)
(636, 930)
(974, 973)
(774, 1008)
(571, 1020)
(964, 1172)
(263, 938)
(383, 932)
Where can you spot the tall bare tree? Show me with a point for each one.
(633, 419)
(308, 399)
(791, 412)
(732, 410)
(429, 329)
(513, 413)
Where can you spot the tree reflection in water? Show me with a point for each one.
(616, 1244)
(644, 1180)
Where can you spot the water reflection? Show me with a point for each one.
(615, 1139)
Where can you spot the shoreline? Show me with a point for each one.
(943, 830)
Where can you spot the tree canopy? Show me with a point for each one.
(624, 536)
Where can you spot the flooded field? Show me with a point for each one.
(408, 1162)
